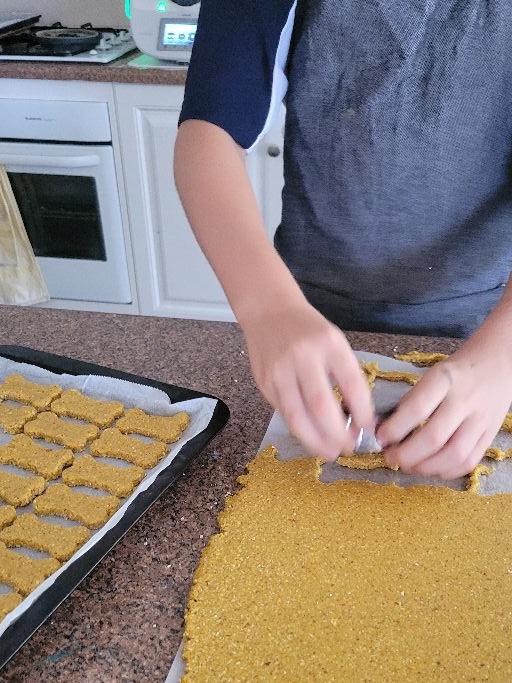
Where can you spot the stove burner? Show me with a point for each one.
(86, 43)
(68, 40)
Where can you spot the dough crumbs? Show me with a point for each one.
(371, 370)
(18, 490)
(497, 453)
(474, 478)
(17, 388)
(421, 359)
(337, 395)
(399, 376)
(112, 443)
(87, 471)
(52, 428)
(507, 423)
(309, 581)
(13, 418)
(7, 515)
(365, 461)
(91, 511)
(23, 452)
(8, 601)
(164, 428)
(23, 573)
(61, 542)
(73, 403)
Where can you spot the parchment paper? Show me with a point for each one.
(107, 388)
(386, 395)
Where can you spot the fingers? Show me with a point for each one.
(345, 371)
(302, 410)
(323, 409)
(455, 459)
(428, 440)
(474, 457)
(417, 405)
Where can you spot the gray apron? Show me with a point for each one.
(397, 206)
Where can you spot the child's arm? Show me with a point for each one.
(464, 399)
(294, 351)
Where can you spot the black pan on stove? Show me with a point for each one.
(68, 40)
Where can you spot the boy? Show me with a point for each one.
(396, 207)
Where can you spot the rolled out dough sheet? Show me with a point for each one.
(386, 395)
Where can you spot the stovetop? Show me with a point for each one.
(113, 43)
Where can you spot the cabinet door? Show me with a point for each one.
(173, 276)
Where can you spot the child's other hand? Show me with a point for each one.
(464, 399)
(296, 355)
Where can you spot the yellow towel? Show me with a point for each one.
(21, 280)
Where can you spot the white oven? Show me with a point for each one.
(60, 162)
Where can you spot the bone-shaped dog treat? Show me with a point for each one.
(24, 573)
(13, 418)
(59, 541)
(60, 500)
(114, 444)
(87, 471)
(8, 601)
(17, 490)
(164, 428)
(75, 404)
(7, 515)
(23, 452)
(52, 428)
(17, 388)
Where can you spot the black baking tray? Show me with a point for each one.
(21, 630)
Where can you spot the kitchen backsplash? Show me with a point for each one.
(73, 12)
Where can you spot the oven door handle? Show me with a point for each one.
(82, 161)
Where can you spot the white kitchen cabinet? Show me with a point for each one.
(173, 277)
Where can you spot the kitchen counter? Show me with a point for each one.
(124, 622)
(115, 72)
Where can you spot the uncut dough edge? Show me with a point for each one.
(306, 469)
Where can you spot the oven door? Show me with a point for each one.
(69, 201)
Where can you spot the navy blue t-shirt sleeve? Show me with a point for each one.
(236, 79)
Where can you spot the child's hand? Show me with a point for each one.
(464, 399)
(295, 355)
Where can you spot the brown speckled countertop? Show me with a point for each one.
(115, 72)
(124, 622)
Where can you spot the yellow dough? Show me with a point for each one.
(420, 358)
(365, 461)
(474, 477)
(8, 601)
(497, 453)
(371, 370)
(7, 515)
(399, 376)
(507, 423)
(351, 581)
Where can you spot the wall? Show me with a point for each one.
(73, 12)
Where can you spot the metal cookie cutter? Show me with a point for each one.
(366, 441)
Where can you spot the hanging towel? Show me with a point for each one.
(21, 280)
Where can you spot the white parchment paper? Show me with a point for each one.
(386, 395)
(132, 395)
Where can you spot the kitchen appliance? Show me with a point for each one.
(60, 162)
(165, 29)
(59, 43)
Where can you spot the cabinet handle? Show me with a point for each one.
(273, 151)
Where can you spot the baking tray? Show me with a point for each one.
(21, 630)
